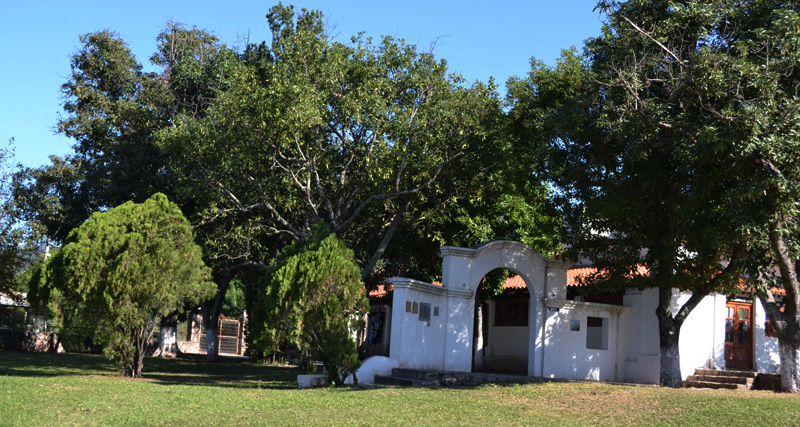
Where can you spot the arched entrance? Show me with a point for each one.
(502, 324)
(463, 270)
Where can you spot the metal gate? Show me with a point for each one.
(229, 333)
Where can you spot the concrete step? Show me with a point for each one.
(714, 385)
(405, 382)
(725, 373)
(722, 379)
(415, 374)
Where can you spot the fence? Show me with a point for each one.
(229, 335)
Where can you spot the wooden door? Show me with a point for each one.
(739, 335)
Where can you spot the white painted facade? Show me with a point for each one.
(563, 339)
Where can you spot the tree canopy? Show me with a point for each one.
(121, 271)
(358, 136)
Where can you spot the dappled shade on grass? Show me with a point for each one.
(58, 389)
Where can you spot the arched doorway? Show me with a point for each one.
(502, 324)
(463, 271)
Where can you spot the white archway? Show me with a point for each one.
(433, 326)
(463, 270)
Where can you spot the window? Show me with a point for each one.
(511, 312)
(597, 333)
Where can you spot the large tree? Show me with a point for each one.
(722, 78)
(9, 238)
(633, 185)
(122, 271)
(313, 130)
(368, 138)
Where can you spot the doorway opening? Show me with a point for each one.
(502, 324)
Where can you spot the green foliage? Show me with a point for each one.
(12, 253)
(651, 134)
(364, 137)
(313, 298)
(120, 272)
(113, 108)
(234, 304)
(49, 200)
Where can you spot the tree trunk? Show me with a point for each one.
(671, 365)
(168, 337)
(212, 344)
(211, 311)
(138, 364)
(387, 237)
(790, 366)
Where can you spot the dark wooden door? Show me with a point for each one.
(739, 335)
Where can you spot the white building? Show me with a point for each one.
(539, 332)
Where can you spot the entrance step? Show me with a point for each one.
(424, 378)
(717, 379)
(410, 378)
(405, 382)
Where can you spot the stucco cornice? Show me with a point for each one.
(417, 285)
(585, 306)
(495, 245)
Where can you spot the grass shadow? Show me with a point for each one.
(181, 371)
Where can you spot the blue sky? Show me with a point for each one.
(479, 39)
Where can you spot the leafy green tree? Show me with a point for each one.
(121, 272)
(720, 79)
(10, 256)
(313, 130)
(113, 109)
(634, 185)
(48, 202)
(313, 298)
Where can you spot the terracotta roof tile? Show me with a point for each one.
(514, 282)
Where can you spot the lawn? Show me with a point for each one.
(38, 389)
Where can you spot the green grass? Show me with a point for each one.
(39, 389)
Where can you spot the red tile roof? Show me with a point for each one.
(574, 274)
(514, 282)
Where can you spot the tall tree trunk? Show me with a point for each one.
(669, 333)
(168, 337)
(384, 243)
(790, 365)
(211, 311)
(671, 364)
(669, 328)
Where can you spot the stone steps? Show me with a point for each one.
(718, 379)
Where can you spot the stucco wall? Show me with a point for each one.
(643, 357)
(566, 354)
(702, 339)
(418, 344)
(767, 358)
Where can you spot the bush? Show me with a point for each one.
(313, 298)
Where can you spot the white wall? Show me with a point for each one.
(506, 340)
(566, 354)
(767, 357)
(702, 340)
(414, 343)
(643, 356)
